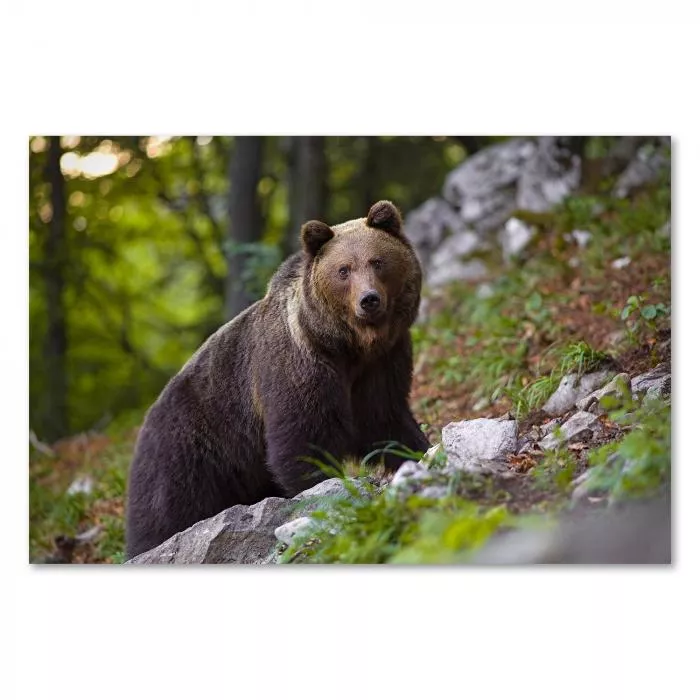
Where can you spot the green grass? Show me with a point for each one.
(396, 528)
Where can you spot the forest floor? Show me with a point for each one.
(501, 346)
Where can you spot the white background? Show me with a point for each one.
(362, 68)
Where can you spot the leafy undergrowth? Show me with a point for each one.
(57, 516)
(500, 346)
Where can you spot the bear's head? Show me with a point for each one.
(363, 276)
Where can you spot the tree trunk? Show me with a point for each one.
(307, 186)
(56, 423)
(245, 221)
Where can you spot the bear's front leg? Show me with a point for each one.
(305, 416)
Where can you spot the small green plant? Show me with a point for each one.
(639, 315)
(639, 465)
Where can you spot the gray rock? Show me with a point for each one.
(450, 262)
(550, 425)
(329, 487)
(655, 383)
(456, 271)
(436, 491)
(571, 389)
(241, 534)
(617, 386)
(650, 161)
(581, 425)
(237, 535)
(287, 532)
(514, 237)
(428, 225)
(460, 245)
(484, 186)
(639, 533)
(551, 174)
(478, 439)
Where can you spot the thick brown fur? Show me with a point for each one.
(322, 362)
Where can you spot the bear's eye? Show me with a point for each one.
(343, 272)
(376, 264)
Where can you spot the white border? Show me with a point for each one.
(399, 68)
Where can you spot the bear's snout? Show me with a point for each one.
(370, 305)
(370, 301)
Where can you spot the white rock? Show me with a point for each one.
(571, 389)
(582, 237)
(514, 238)
(287, 532)
(481, 438)
(484, 185)
(552, 174)
(83, 484)
(621, 262)
(428, 225)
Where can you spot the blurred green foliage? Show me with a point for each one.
(145, 248)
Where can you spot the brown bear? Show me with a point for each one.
(323, 361)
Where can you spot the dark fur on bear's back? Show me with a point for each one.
(298, 370)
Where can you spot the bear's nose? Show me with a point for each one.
(369, 301)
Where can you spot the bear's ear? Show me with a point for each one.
(385, 216)
(313, 235)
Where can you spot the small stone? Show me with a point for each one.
(621, 262)
(409, 471)
(578, 427)
(571, 389)
(582, 238)
(481, 438)
(83, 484)
(550, 425)
(524, 446)
(656, 381)
(484, 291)
(514, 238)
(287, 532)
(618, 386)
